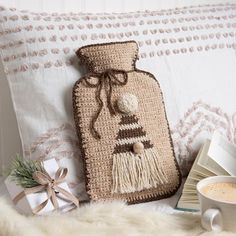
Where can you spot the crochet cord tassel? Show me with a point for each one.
(132, 172)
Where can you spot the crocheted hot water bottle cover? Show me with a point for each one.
(122, 127)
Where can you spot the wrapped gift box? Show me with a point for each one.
(30, 201)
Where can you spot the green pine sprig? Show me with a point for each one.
(22, 172)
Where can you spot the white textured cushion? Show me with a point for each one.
(191, 51)
(103, 5)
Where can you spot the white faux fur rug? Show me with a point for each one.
(108, 219)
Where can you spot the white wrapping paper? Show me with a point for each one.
(30, 201)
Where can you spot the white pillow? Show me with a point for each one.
(9, 134)
(191, 51)
(10, 143)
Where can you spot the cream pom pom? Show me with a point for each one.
(127, 103)
(138, 148)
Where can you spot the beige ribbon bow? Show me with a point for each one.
(51, 186)
(106, 80)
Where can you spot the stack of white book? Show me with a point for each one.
(216, 157)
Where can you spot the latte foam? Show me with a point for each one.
(225, 192)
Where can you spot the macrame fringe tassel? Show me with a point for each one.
(133, 173)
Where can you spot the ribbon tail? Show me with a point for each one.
(40, 207)
(92, 125)
(18, 197)
(36, 190)
(68, 195)
(94, 119)
(53, 197)
(32, 190)
(110, 107)
(60, 175)
(109, 95)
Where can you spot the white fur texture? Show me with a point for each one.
(100, 219)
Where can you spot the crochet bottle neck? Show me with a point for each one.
(110, 56)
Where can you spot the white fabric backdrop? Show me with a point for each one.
(9, 136)
(103, 5)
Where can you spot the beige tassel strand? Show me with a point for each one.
(136, 172)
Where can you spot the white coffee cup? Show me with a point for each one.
(216, 215)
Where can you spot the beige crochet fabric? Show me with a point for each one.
(127, 150)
